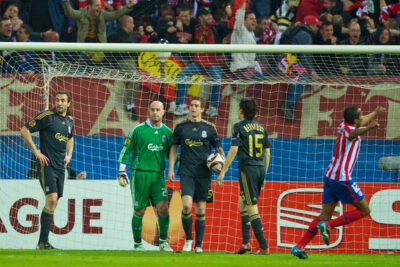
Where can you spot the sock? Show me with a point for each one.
(245, 227)
(163, 222)
(309, 234)
(187, 222)
(137, 222)
(346, 218)
(46, 219)
(200, 227)
(258, 230)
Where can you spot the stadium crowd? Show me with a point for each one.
(323, 22)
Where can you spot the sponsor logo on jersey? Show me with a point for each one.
(32, 123)
(61, 137)
(156, 132)
(152, 147)
(204, 134)
(191, 143)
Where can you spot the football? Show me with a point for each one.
(215, 162)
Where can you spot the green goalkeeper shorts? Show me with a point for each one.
(147, 186)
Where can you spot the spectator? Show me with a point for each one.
(5, 36)
(300, 67)
(309, 8)
(5, 30)
(244, 65)
(92, 20)
(325, 64)
(285, 14)
(185, 26)
(166, 24)
(126, 62)
(205, 33)
(23, 60)
(12, 12)
(351, 65)
(378, 62)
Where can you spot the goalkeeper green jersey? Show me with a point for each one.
(149, 147)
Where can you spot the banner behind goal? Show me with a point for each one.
(111, 87)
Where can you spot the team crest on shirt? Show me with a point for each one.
(204, 134)
(32, 123)
(69, 129)
(164, 138)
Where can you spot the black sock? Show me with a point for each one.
(258, 230)
(46, 219)
(187, 222)
(200, 227)
(245, 227)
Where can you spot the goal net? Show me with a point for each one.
(111, 88)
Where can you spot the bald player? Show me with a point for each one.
(149, 142)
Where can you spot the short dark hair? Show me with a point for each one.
(350, 114)
(202, 102)
(27, 28)
(3, 19)
(326, 23)
(248, 107)
(248, 12)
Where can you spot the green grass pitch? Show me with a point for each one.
(72, 258)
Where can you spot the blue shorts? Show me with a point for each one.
(347, 192)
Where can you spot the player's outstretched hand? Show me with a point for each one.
(373, 125)
(123, 178)
(380, 110)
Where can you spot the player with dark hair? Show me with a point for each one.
(338, 184)
(56, 144)
(249, 141)
(195, 136)
(149, 143)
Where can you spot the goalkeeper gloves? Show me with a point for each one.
(123, 179)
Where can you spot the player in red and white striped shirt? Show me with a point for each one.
(338, 184)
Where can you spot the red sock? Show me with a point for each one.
(346, 218)
(309, 234)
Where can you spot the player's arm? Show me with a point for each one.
(123, 158)
(70, 148)
(27, 136)
(267, 158)
(229, 158)
(362, 130)
(365, 119)
(220, 151)
(173, 154)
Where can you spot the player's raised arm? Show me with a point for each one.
(173, 154)
(365, 119)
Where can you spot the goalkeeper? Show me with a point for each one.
(149, 143)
